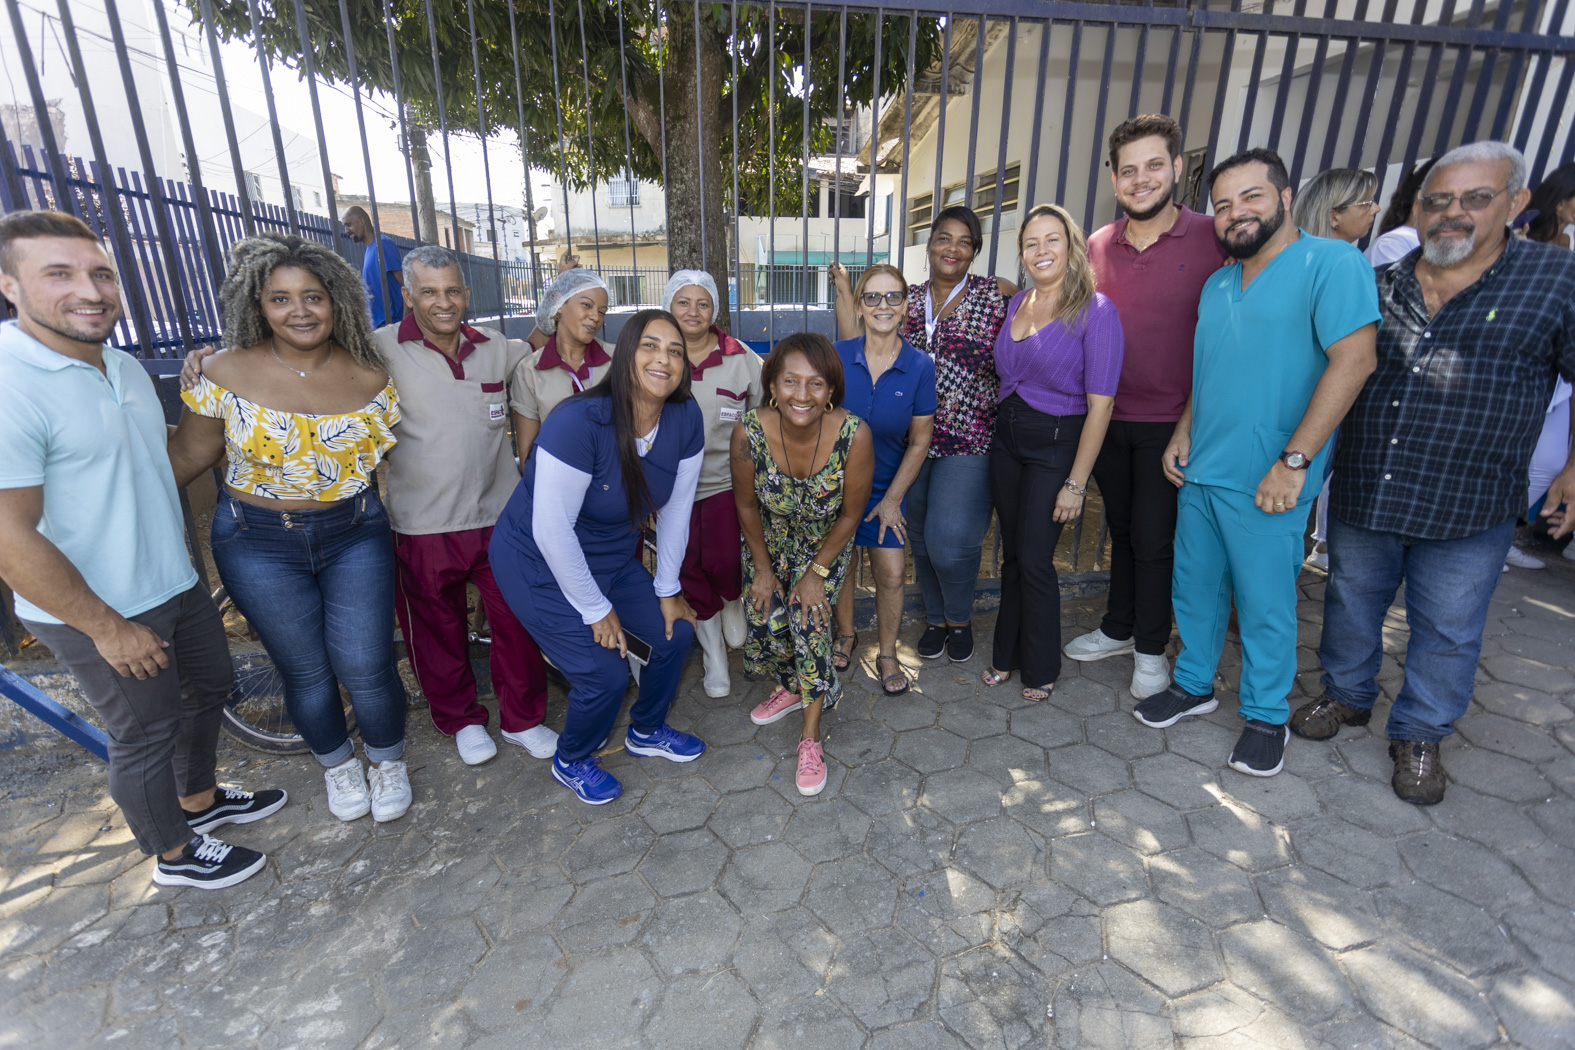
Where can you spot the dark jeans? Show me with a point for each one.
(163, 731)
(1140, 508)
(1030, 459)
(318, 588)
(1448, 585)
(948, 514)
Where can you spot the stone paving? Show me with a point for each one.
(981, 872)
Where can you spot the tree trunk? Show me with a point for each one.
(697, 224)
(421, 164)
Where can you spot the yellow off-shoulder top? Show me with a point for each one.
(291, 455)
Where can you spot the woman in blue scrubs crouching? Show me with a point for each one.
(566, 549)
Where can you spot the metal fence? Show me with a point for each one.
(997, 104)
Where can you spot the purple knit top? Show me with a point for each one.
(1057, 367)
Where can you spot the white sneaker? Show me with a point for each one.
(348, 798)
(538, 741)
(475, 745)
(735, 628)
(1319, 560)
(1096, 645)
(713, 651)
(1569, 551)
(390, 791)
(1519, 559)
(1150, 675)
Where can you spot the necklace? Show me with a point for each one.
(787, 460)
(272, 350)
(648, 439)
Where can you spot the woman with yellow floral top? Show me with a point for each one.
(301, 403)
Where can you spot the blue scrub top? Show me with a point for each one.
(579, 432)
(374, 286)
(887, 405)
(1258, 354)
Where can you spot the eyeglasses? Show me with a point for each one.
(874, 298)
(1473, 200)
(1358, 204)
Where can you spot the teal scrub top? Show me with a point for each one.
(1258, 355)
(97, 443)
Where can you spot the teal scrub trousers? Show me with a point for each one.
(1225, 546)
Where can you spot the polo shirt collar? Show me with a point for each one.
(1177, 228)
(726, 346)
(25, 348)
(410, 332)
(595, 357)
(903, 361)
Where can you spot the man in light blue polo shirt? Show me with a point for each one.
(91, 542)
(1285, 340)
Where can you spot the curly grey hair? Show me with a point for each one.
(253, 259)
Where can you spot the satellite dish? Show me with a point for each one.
(540, 213)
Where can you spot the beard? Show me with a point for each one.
(70, 327)
(1248, 247)
(1161, 199)
(1447, 253)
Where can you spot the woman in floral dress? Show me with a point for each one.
(802, 469)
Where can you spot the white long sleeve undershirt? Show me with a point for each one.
(557, 498)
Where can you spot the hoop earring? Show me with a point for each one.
(772, 401)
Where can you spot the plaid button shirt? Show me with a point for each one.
(1438, 442)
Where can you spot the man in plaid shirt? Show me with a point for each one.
(1430, 475)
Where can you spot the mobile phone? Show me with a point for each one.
(777, 616)
(638, 648)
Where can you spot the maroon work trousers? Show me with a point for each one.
(429, 596)
(712, 571)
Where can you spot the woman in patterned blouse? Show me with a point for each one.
(954, 317)
(301, 403)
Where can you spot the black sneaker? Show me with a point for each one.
(932, 643)
(236, 807)
(1261, 750)
(209, 864)
(959, 643)
(1165, 709)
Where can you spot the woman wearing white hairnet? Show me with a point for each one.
(725, 379)
(571, 312)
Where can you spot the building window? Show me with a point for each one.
(920, 215)
(626, 289)
(623, 191)
(317, 199)
(984, 192)
(254, 186)
(295, 196)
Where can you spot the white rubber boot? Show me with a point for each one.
(735, 628)
(713, 650)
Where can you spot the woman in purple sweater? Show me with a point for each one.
(1059, 358)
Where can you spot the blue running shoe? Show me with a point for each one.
(664, 742)
(587, 779)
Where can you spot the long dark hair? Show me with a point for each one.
(618, 386)
(1557, 186)
(1403, 199)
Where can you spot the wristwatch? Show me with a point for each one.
(1293, 460)
(819, 570)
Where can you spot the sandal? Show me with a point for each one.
(896, 676)
(839, 659)
(1037, 693)
(991, 677)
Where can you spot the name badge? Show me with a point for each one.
(730, 415)
(495, 412)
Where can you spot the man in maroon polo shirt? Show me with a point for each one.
(1152, 265)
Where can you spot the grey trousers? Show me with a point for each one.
(163, 731)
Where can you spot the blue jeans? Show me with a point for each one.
(948, 537)
(1448, 584)
(318, 588)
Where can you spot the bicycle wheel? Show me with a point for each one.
(255, 715)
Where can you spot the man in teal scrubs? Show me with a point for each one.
(1285, 340)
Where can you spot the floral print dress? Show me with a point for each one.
(795, 515)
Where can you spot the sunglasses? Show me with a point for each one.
(874, 298)
(1474, 200)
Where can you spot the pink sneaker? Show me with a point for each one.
(777, 706)
(811, 768)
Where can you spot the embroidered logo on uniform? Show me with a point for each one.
(1492, 314)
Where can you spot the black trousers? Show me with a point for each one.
(1140, 508)
(1030, 458)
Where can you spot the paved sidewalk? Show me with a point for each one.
(981, 872)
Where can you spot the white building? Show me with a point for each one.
(47, 39)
